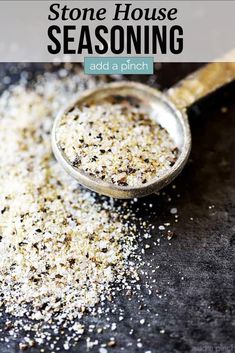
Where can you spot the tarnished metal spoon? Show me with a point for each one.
(168, 108)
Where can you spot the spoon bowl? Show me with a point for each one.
(160, 108)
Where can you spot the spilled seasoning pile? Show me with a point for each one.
(60, 249)
(118, 143)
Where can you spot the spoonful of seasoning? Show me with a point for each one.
(126, 139)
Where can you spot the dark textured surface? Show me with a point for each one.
(197, 313)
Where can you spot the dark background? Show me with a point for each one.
(194, 314)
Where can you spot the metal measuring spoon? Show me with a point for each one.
(169, 110)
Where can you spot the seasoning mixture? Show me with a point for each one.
(118, 143)
(63, 252)
(60, 248)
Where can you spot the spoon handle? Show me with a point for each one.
(203, 81)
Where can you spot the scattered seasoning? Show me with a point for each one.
(112, 342)
(61, 249)
(103, 350)
(23, 346)
(118, 143)
(224, 110)
(170, 234)
(161, 227)
(55, 265)
(173, 210)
